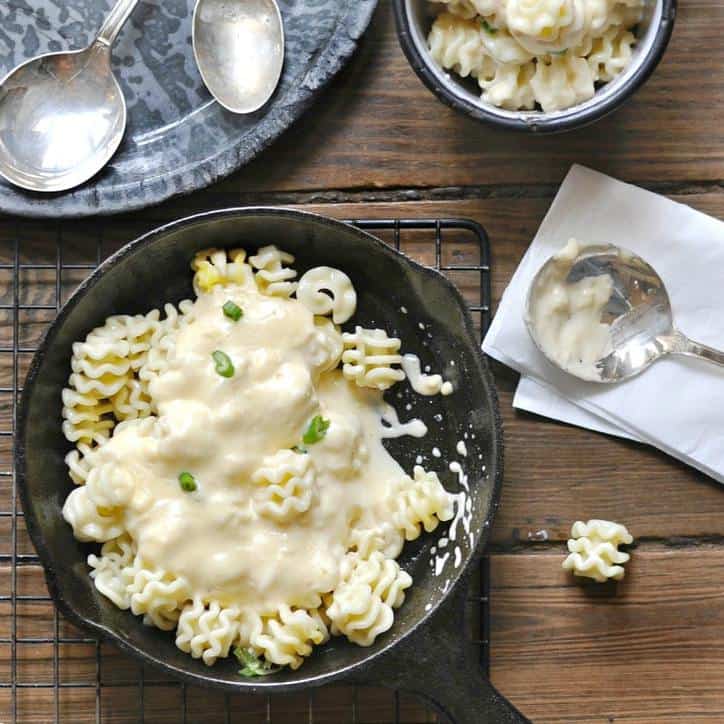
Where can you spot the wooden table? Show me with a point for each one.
(378, 144)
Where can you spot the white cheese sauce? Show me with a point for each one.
(224, 430)
(424, 384)
(394, 428)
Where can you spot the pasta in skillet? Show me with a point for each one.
(527, 54)
(228, 457)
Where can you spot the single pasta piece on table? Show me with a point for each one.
(594, 550)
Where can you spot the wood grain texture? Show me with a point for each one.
(378, 126)
(648, 649)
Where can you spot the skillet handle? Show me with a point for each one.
(438, 664)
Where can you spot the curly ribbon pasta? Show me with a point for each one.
(272, 276)
(283, 535)
(287, 480)
(528, 54)
(361, 607)
(594, 550)
(341, 302)
(369, 357)
(214, 267)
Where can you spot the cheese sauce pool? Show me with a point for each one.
(225, 430)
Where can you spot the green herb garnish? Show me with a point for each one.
(222, 363)
(252, 665)
(187, 482)
(232, 311)
(560, 52)
(316, 431)
(487, 27)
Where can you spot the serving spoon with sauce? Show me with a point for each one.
(638, 313)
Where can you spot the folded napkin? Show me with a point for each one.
(677, 404)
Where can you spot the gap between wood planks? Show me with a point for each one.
(447, 193)
(644, 543)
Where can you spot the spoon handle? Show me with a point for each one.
(684, 345)
(115, 21)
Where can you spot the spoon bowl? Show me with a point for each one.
(638, 314)
(62, 117)
(239, 50)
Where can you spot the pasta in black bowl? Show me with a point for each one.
(543, 66)
(161, 406)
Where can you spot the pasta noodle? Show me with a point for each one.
(234, 475)
(285, 639)
(594, 550)
(362, 606)
(341, 302)
(288, 485)
(216, 266)
(369, 357)
(421, 502)
(207, 631)
(527, 54)
(107, 569)
(155, 594)
(273, 277)
(562, 82)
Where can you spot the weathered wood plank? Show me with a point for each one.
(378, 126)
(649, 649)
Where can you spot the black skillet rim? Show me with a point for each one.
(534, 124)
(36, 533)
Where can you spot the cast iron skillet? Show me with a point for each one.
(426, 651)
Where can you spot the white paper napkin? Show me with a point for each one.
(677, 404)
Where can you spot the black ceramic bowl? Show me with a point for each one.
(413, 25)
(418, 653)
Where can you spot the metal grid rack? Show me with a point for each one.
(50, 671)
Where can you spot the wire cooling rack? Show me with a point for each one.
(52, 672)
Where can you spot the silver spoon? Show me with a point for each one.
(239, 49)
(638, 311)
(63, 115)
